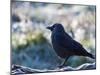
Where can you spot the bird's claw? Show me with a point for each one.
(60, 66)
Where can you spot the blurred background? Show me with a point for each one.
(30, 40)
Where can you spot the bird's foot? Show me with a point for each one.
(60, 66)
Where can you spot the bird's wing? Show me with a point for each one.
(67, 42)
(76, 45)
(64, 41)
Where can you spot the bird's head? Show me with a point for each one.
(56, 26)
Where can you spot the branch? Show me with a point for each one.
(17, 69)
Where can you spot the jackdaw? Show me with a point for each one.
(64, 45)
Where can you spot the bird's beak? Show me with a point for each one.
(50, 28)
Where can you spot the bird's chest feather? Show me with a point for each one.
(57, 40)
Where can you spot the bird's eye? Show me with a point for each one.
(54, 26)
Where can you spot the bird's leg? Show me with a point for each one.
(63, 63)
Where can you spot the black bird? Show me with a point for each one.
(64, 45)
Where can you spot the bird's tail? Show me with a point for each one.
(91, 56)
